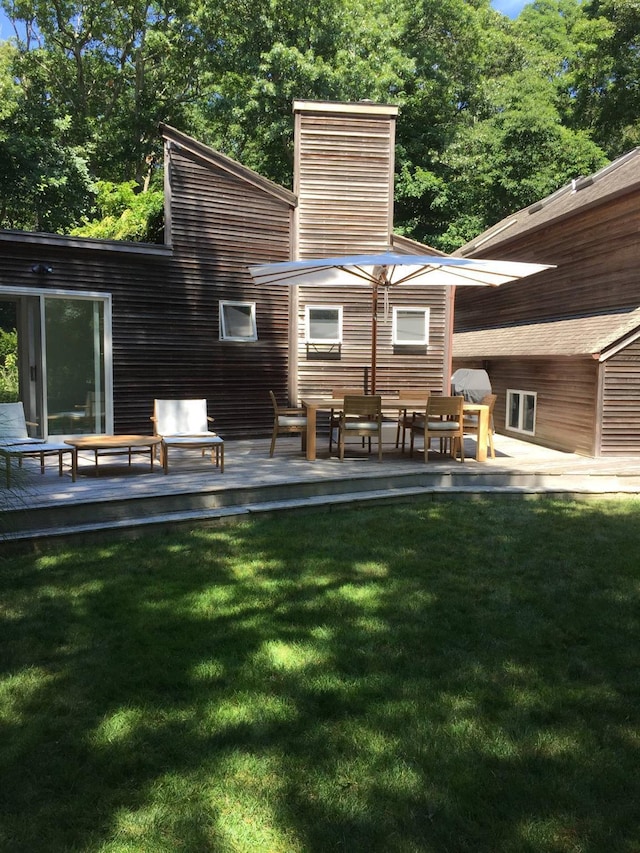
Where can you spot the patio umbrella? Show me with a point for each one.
(389, 270)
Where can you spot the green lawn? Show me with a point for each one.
(447, 677)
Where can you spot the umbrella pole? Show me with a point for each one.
(374, 335)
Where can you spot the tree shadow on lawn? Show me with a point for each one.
(445, 676)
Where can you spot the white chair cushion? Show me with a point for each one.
(31, 447)
(361, 425)
(291, 420)
(194, 440)
(181, 417)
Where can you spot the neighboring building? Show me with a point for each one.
(562, 348)
(104, 327)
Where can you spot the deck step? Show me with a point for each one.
(136, 516)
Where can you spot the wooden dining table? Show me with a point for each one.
(313, 405)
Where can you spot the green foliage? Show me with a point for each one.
(9, 385)
(125, 214)
(494, 112)
(607, 71)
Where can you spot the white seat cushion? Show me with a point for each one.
(373, 425)
(210, 439)
(291, 420)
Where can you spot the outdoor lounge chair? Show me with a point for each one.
(185, 424)
(14, 427)
(16, 443)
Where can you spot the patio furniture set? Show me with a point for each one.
(184, 425)
(415, 412)
(180, 424)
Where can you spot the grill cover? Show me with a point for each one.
(471, 384)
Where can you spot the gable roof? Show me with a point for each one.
(210, 157)
(618, 178)
(596, 335)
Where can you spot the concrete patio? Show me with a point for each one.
(41, 509)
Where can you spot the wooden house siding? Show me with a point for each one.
(397, 367)
(590, 230)
(221, 223)
(620, 424)
(344, 183)
(566, 398)
(165, 301)
(597, 253)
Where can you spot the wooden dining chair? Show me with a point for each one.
(443, 419)
(334, 415)
(404, 417)
(471, 422)
(287, 419)
(361, 416)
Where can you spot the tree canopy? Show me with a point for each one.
(494, 113)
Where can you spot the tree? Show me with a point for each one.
(44, 184)
(112, 71)
(510, 143)
(333, 50)
(606, 73)
(125, 214)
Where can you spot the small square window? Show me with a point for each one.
(323, 324)
(411, 326)
(521, 411)
(238, 321)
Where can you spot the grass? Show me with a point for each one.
(446, 677)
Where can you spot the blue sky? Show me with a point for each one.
(512, 8)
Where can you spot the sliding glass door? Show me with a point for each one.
(74, 365)
(63, 354)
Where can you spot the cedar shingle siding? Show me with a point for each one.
(567, 334)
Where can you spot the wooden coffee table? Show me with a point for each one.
(113, 445)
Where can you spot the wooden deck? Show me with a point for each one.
(41, 509)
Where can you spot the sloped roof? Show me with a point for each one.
(214, 158)
(618, 178)
(595, 335)
(405, 245)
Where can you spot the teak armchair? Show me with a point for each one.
(334, 415)
(443, 419)
(471, 422)
(405, 418)
(15, 441)
(287, 420)
(361, 416)
(185, 424)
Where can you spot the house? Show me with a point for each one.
(104, 327)
(562, 348)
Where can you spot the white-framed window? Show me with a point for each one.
(521, 411)
(238, 321)
(411, 326)
(323, 324)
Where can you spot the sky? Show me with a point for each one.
(512, 8)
